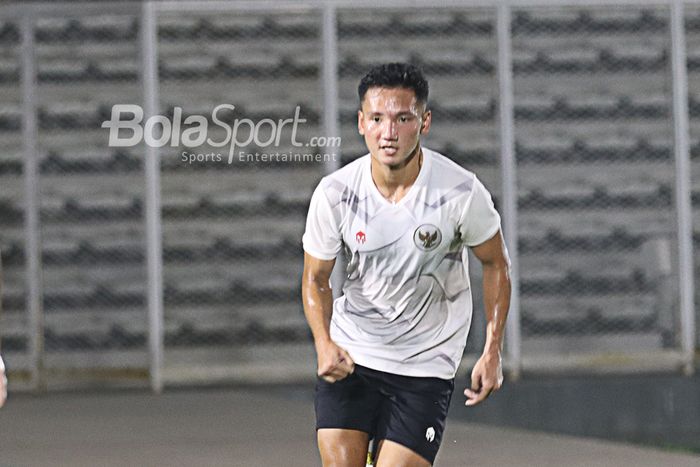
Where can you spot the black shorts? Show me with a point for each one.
(408, 410)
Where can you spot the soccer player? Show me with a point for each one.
(389, 348)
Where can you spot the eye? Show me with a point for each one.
(403, 119)
(375, 119)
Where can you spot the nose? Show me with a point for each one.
(389, 130)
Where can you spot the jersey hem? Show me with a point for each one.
(318, 255)
(398, 369)
(490, 235)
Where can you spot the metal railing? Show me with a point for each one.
(585, 143)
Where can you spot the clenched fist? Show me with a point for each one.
(334, 363)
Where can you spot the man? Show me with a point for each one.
(389, 348)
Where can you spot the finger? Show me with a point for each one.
(329, 370)
(476, 398)
(345, 367)
(328, 379)
(347, 360)
(339, 372)
(476, 380)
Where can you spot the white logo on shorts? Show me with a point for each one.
(430, 434)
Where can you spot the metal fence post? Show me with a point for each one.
(683, 194)
(154, 248)
(330, 112)
(330, 79)
(32, 221)
(510, 191)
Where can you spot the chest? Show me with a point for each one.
(405, 229)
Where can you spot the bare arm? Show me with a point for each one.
(487, 375)
(334, 363)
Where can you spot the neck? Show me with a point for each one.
(394, 181)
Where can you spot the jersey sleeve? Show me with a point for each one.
(322, 238)
(479, 221)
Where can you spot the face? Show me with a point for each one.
(391, 120)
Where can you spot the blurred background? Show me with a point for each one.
(133, 267)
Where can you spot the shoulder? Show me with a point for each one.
(349, 171)
(347, 179)
(446, 172)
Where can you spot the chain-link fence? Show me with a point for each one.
(91, 199)
(13, 319)
(234, 206)
(692, 25)
(595, 176)
(593, 95)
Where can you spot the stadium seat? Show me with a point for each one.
(641, 59)
(178, 204)
(576, 59)
(51, 27)
(55, 249)
(589, 316)
(10, 211)
(109, 28)
(121, 69)
(13, 299)
(277, 315)
(177, 27)
(9, 32)
(238, 203)
(9, 68)
(233, 23)
(187, 67)
(105, 208)
(69, 115)
(534, 107)
(556, 241)
(452, 62)
(694, 105)
(617, 18)
(294, 24)
(63, 70)
(259, 63)
(525, 60)
(10, 117)
(358, 23)
(693, 56)
(434, 22)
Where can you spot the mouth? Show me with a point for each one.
(390, 150)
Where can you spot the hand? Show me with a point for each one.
(3, 384)
(487, 376)
(334, 363)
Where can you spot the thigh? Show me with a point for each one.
(392, 454)
(413, 417)
(346, 413)
(343, 448)
(351, 403)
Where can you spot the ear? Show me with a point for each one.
(360, 123)
(427, 120)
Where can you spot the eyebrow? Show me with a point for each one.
(398, 114)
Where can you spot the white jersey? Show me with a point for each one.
(406, 306)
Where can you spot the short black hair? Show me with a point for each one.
(395, 75)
